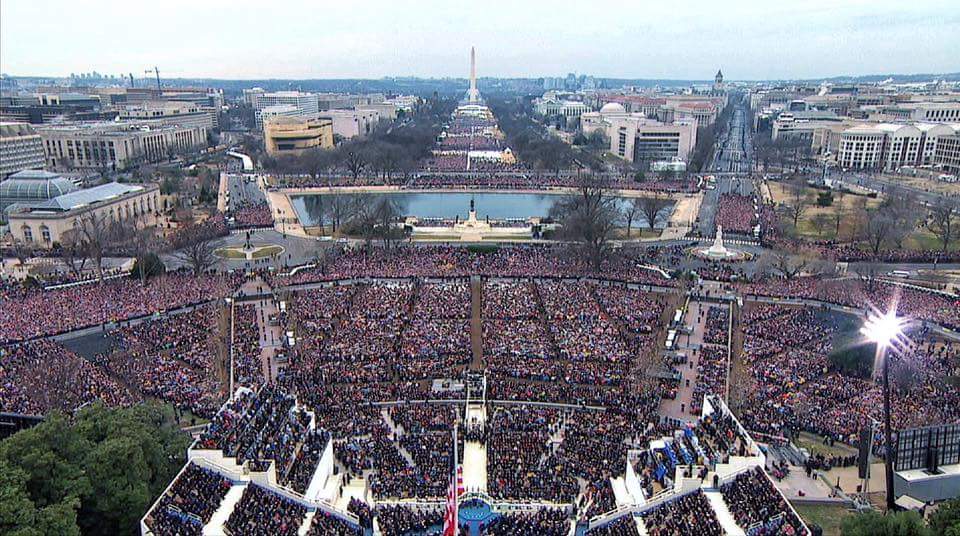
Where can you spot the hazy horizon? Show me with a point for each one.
(299, 40)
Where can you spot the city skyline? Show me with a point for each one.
(749, 40)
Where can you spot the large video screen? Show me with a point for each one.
(914, 445)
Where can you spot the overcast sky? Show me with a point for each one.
(683, 39)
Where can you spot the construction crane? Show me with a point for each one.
(131, 80)
(157, 73)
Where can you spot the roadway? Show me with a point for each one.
(881, 185)
(733, 164)
(242, 190)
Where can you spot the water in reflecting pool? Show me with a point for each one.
(448, 205)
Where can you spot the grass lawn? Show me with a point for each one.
(828, 516)
(815, 445)
(919, 239)
(637, 232)
(784, 194)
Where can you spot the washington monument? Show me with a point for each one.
(473, 96)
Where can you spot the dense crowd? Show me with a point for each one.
(543, 339)
(26, 314)
(622, 526)
(172, 358)
(265, 427)
(43, 376)
(251, 215)
(261, 512)
(324, 524)
(189, 503)
(752, 498)
(690, 513)
(543, 522)
(448, 261)
(247, 333)
(521, 458)
(796, 387)
(396, 520)
(736, 213)
(910, 302)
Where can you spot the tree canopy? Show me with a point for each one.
(94, 474)
(893, 524)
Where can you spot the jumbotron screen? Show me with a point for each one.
(914, 446)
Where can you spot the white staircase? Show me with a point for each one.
(727, 522)
(641, 526)
(475, 466)
(220, 517)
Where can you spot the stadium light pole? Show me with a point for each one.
(883, 330)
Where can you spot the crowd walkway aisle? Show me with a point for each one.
(220, 517)
(727, 522)
(474, 466)
(271, 336)
(679, 407)
(476, 323)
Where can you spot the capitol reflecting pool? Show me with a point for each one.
(448, 205)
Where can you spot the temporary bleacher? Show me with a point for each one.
(697, 458)
(212, 452)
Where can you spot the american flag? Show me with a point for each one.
(450, 518)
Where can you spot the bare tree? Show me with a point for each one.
(877, 227)
(839, 211)
(820, 222)
(22, 250)
(589, 217)
(355, 163)
(95, 231)
(901, 208)
(317, 209)
(630, 213)
(198, 253)
(789, 265)
(798, 203)
(145, 245)
(868, 273)
(651, 206)
(943, 220)
(339, 210)
(386, 212)
(72, 253)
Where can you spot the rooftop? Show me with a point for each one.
(80, 198)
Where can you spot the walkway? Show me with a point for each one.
(724, 516)
(271, 336)
(474, 466)
(476, 323)
(679, 407)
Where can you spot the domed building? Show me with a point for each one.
(33, 186)
(611, 108)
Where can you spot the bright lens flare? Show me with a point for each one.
(883, 329)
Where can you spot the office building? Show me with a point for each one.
(20, 148)
(636, 138)
(185, 114)
(117, 146)
(947, 154)
(890, 146)
(283, 135)
(305, 103)
(351, 123)
(283, 110)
